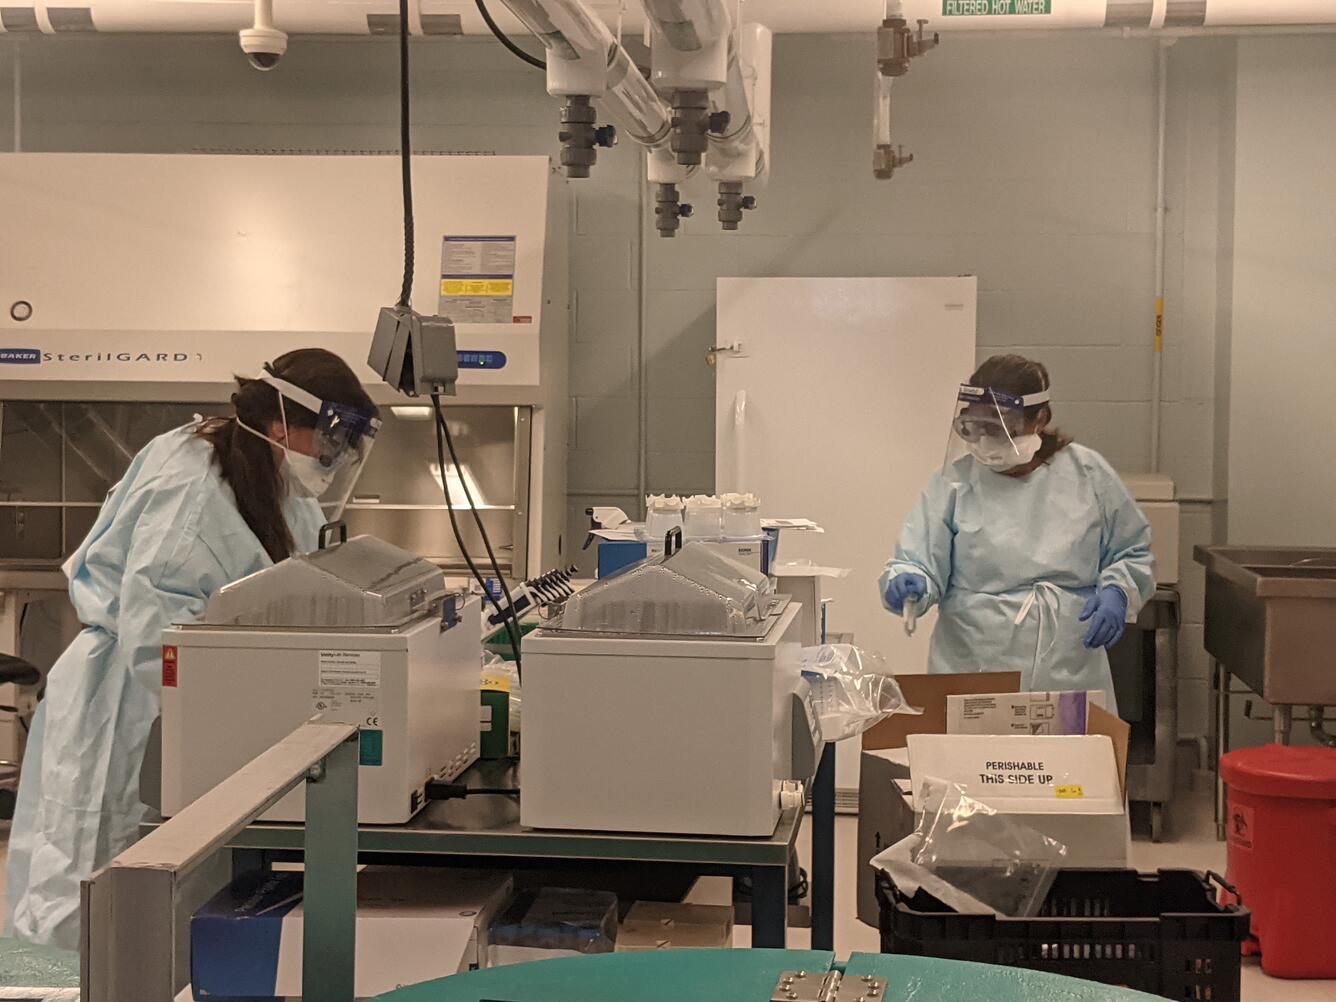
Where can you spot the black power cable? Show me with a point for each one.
(405, 296)
(504, 39)
(405, 157)
(442, 429)
(507, 615)
(437, 790)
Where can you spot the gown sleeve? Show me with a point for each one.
(170, 572)
(927, 540)
(1124, 559)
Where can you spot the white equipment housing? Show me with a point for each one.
(635, 734)
(232, 690)
(157, 278)
(663, 701)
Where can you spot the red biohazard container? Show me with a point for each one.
(1282, 853)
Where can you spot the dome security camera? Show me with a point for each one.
(264, 46)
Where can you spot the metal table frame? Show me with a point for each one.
(485, 832)
(130, 909)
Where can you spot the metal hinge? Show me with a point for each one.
(801, 986)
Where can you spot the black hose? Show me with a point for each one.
(482, 531)
(504, 39)
(507, 615)
(405, 157)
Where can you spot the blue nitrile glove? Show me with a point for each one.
(1108, 610)
(903, 587)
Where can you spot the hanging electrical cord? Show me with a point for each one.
(405, 157)
(473, 507)
(505, 40)
(442, 429)
(507, 615)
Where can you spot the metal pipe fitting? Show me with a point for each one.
(668, 211)
(580, 137)
(732, 203)
(691, 126)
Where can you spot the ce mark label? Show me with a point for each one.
(372, 721)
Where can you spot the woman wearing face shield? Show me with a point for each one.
(1029, 544)
(198, 508)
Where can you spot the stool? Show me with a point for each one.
(16, 671)
(1281, 825)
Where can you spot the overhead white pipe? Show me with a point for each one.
(690, 43)
(585, 62)
(740, 151)
(584, 58)
(370, 17)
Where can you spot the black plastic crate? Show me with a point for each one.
(1163, 933)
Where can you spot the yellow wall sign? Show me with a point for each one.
(477, 287)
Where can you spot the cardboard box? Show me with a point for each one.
(655, 925)
(413, 925)
(1020, 712)
(885, 803)
(928, 693)
(1070, 787)
(884, 810)
(885, 816)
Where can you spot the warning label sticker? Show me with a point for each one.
(478, 279)
(1241, 827)
(350, 669)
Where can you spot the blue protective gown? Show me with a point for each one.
(1011, 561)
(168, 536)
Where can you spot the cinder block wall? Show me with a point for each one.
(1034, 169)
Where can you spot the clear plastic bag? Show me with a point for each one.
(992, 857)
(851, 689)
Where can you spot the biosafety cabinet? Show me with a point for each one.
(663, 701)
(360, 633)
(208, 266)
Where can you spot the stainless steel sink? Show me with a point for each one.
(1271, 619)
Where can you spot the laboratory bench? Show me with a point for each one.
(484, 832)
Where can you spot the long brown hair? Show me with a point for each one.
(247, 462)
(1021, 376)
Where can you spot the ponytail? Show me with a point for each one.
(248, 467)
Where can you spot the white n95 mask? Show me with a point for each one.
(306, 476)
(1005, 454)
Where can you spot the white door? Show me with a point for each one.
(837, 408)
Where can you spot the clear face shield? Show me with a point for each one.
(990, 425)
(323, 462)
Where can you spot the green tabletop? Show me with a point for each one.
(23, 966)
(748, 976)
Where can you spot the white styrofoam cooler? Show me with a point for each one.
(676, 736)
(1155, 495)
(233, 692)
